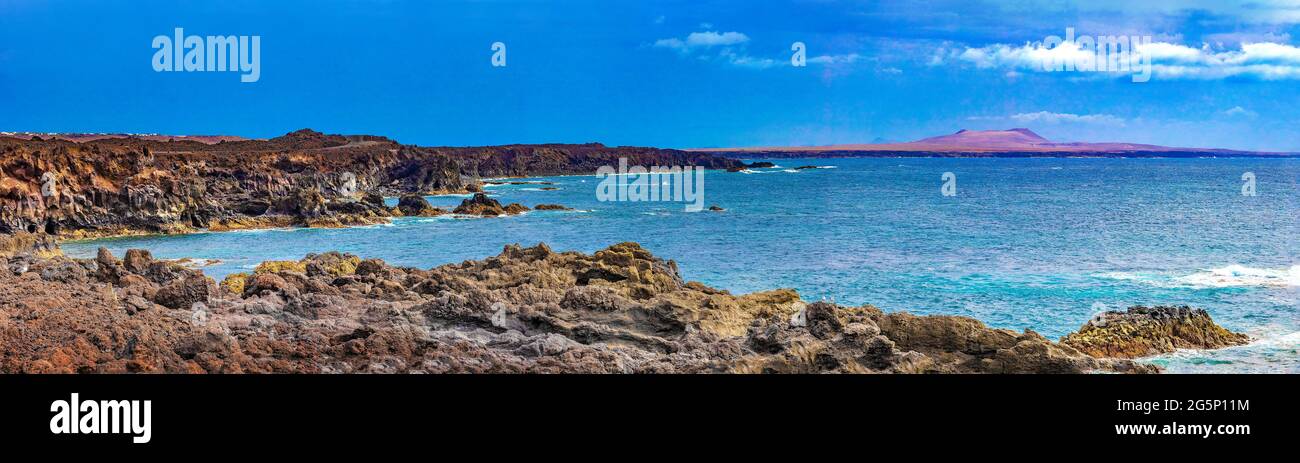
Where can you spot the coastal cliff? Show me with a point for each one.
(529, 309)
(125, 186)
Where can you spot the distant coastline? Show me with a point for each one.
(797, 153)
(1011, 143)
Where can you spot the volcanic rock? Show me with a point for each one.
(1145, 331)
(528, 309)
(111, 186)
(482, 205)
(184, 292)
(137, 261)
(412, 205)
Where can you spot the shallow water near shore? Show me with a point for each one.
(1037, 244)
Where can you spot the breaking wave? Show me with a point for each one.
(1224, 277)
(1238, 275)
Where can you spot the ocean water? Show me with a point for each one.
(1039, 244)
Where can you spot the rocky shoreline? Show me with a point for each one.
(136, 186)
(1145, 331)
(529, 309)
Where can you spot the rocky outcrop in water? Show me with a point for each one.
(619, 310)
(552, 207)
(481, 205)
(413, 205)
(742, 167)
(1145, 331)
(126, 185)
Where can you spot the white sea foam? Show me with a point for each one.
(197, 262)
(437, 218)
(256, 231)
(1127, 276)
(1279, 341)
(1238, 275)
(1223, 277)
(462, 195)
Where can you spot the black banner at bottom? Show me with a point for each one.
(323, 413)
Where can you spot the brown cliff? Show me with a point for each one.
(117, 186)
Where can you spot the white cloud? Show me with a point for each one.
(743, 60)
(835, 59)
(704, 39)
(710, 39)
(1237, 38)
(1238, 111)
(1056, 118)
(671, 43)
(1262, 60)
(731, 48)
(1047, 117)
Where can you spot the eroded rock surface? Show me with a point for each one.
(127, 185)
(413, 205)
(481, 205)
(1145, 331)
(619, 310)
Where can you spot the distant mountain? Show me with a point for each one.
(988, 138)
(1018, 142)
(85, 137)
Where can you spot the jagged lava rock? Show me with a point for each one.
(130, 186)
(412, 205)
(481, 205)
(1144, 331)
(528, 309)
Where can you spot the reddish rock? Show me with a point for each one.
(528, 309)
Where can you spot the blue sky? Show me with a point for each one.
(661, 73)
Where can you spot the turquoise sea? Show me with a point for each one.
(1037, 244)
